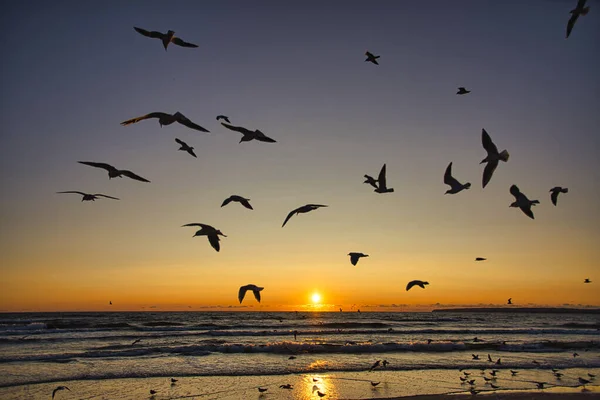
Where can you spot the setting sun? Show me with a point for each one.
(316, 298)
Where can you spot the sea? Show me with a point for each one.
(37, 348)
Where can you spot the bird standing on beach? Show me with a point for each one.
(165, 38)
(59, 388)
(418, 283)
(580, 9)
(186, 147)
(243, 201)
(255, 290)
(455, 186)
(354, 257)
(302, 210)
(555, 191)
(113, 172)
(165, 119)
(211, 233)
(88, 196)
(522, 201)
(371, 58)
(493, 157)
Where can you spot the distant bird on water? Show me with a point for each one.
(354, 257)
(255, 290)
(455, 186)
(509, 301)
(186, 147)
(522, 201)
(580, 9)
(493, 157)
(165, 119)
(302, 210)
(249, 135)
(418, 283)
(372, 58)
(462, 90)
(165, 38)
(59, 388)
(375, 383)
(113, 172)
(587, 280)
(89, 197)
(555, 192)
(211, 233)
(224, 118)
(243, 201)
(480, 259)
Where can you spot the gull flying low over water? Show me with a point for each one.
(186, 147)
(580, 9)
(255, 290)
(555, 192)
(522, 201)
(455, 186)
(480, 259)
(211, 233)
(165, 119)
(224, 118)
(418, 283)
(59, 388)
(165, 38)
(354, 257)
(249, 135)
(493, 157)
(372, 58)
(113, 172)
(462, 90)
(243, 201)
(380, 184)
(88, 196)
(302, 210)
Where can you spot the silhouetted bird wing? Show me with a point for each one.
(131, 175)
(571, 23)
(263, 138)
(488, 145)
(143, 117)
(488, 171)
(413, 283)
(354, 258)
(183, 120)
(256, 295)
(381, 179)
(290, 215)
(242, 293)
(315, 206)
(73, 191)
(514, 190)
(223, 117)
(180, 42)
(448, 179)
(203, 226)
(246, 204)
(226, 201)
(105, 166)
(108, 197)
(554, 196)
(214, 241)
(181, 142)
(239, 129)
(191, 151)
(152, 34)
(369, 54)
(371, 181)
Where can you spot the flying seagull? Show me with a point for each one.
(455, 186)
(580, 9)
(165, 119)
(555, 192)
(165, 38)
(354, 257)
(587, 280)
(211, 233)
(522, 201)
(255, 289)
(380, 184)
(302, 210)
(372, 58)
(113, 172)
(58, 388)
(224, 118)
(185, 147)
(509, 301)
(248, 134)
(90, 197)
(462, 90)
(371, 181)
(493, 157)
(421, 284)
(239, 199)
(480, 259)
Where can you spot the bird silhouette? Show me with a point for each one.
(249, 135)
(522, 201)
(59, 388)
(372, 58)
(224, 118)
(493, 157)
(185, 147)
(302, 210)
(462, 90)
(418, 283)
(243, 201)
(480, 259)
(113, 172)
(165, 119)
(165, 38)
(580, 9)
(555, 191)
(354, 257)
(455, 186)
(211, 233)
(88, 196)
(509, 301)
(587, 280)
(255, 290)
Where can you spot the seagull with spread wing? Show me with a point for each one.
(211, 233)
(302, 210)
(522, 201)
(354, 257)
(555, 192)
(88, 196)
(580, 9)
(372, 58)
(493, 157)
(255, 290)
(243, 201)
(185, 147)
(455, 186)
(249, 135)
(165, 38)
(165, 119)
(418, 283)
(113, 172)
(380, 184)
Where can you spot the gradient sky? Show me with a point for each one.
(72, 71)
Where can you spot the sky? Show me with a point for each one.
(72, 71)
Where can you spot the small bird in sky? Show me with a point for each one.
(243, 201)
(421, 284)
(493, 157)
(249, 135)
(455, 186)
(165, 38)
(211, 233)
(509, 300)
(587, 280)
(302, 210)
(165, 119)
(255, 290)
(522, 201)
(381, 181)
(555, 192)
(354, 257)
(113, 172)
(371, 58)
(110, 303)
(580, 9)
(462, 90)
(186, 147)
(90, 197)
(59, 388)
(480, 259)
(224, 118)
